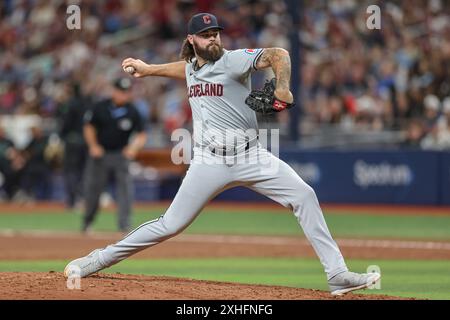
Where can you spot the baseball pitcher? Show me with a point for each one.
(222, 101)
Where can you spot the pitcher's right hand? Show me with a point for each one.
(141, 68)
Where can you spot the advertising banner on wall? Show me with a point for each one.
(383, 177)
(444, 174)
(407, 177)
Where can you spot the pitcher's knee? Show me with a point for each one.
(173, 229)
(304, 196)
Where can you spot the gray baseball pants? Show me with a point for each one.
(210, 174)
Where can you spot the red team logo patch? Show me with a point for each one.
(279, 105)
(207, 19)
(250, 51)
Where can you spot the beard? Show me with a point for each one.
(212, 52)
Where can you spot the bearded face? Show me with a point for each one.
(208, 46)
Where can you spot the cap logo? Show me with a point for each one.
(206, 19)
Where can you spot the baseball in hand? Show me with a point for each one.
(130, 70)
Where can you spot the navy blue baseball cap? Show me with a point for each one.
(202, 22)
(123, 84)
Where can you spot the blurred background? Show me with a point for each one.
(373, 118)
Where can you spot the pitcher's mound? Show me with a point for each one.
(53, 285)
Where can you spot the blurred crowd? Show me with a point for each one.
(394, 78)
(41, 60)
(47, 70)
(25, 173)
(353, 78)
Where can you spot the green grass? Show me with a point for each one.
(253, 222)
(403, 278)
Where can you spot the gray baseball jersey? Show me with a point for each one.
(217, 93)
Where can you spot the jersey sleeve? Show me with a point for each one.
(242, 61)
(187, 69)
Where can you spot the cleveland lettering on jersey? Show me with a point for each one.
(206, 89)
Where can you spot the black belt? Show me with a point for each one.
(228, 151)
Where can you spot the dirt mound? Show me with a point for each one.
(52, 285)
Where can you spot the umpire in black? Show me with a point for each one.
(108, 128)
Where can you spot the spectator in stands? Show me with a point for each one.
(444, 119)
(414, 134)
(446, 130)
(436, 139)
(36, 178)
(439, 136)
(11, 164)
(432, 109)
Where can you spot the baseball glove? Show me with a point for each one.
(264, 100)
